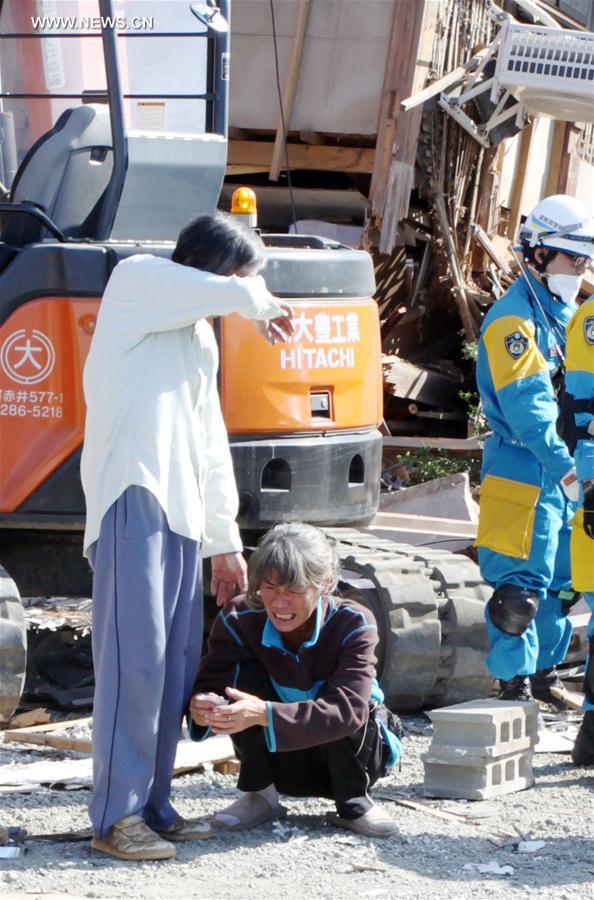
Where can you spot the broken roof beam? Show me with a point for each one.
(486, 243)
(458, 286)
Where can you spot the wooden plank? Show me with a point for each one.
(489, 190)
(53, 735)
(29, 776)
(392, 521)
(388, 114)
(302, 156)
(229, 766)
(404, 75)
(556, 158)
(53, 726)
(462, 301)
(488, 246)
(572, 699)
(569, 176)
(245, 169)
(289, 89)
(407, 65)
(56, 741)
(463, 446)
(30, 718)
(519, 181)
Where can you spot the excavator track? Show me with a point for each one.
(429, 606)
(13, 646)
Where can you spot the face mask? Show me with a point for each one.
(565, 286)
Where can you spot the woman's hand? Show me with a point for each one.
(228, 571)
(200, 704)
(279, 330)
(245, 711)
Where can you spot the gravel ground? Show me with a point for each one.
(305, 858)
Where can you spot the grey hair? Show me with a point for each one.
(297, 555)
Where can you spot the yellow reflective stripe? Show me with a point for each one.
(505, 368)
(580, 354)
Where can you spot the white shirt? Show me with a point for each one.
(153, 411)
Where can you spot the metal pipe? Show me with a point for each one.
(100, 96)
(114, 189)
(221, 73)
(8, 151)
(538, 13)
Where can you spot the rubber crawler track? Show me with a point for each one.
(429, 605)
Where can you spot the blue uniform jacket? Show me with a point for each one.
(518, 354)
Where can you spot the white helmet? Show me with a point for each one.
(561, 223)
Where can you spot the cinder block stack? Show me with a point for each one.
(480, 749)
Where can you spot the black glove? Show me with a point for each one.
(589, 511)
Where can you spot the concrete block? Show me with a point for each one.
(478, 778)
(483, 729)
(481, 749)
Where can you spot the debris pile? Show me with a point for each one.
(442, 240)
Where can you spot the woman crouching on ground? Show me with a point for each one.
(298, 666)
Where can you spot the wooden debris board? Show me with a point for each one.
(54, 734)
(32, 776)
(29, 718)
(462, 446)
(573, 699)
(406, 380)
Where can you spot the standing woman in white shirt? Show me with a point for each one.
(160, 493)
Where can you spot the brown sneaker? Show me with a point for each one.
(186, 830)
(131, 838)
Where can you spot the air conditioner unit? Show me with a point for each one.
(549, 70)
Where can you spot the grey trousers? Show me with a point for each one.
(147, 637)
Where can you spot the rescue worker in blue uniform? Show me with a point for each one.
(529, 485)
(578, 413)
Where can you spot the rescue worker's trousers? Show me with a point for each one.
(342, 770)
(523, 540)
(582, 577)
(589, 676)
(147, 636)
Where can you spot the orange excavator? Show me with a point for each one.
(302, 417)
